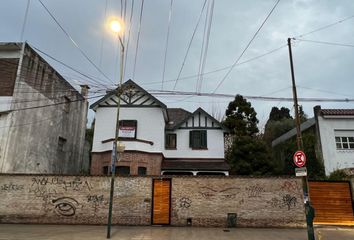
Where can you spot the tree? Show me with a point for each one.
(248, 155)
(279, 122)
(241, 117)
(277, 114)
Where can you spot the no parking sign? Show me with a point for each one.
(299, 159)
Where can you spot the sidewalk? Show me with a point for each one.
(80, 232)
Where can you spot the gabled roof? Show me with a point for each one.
(176, 116)
(187, 116)
(132, 85)
(306, 125)
(337, 112)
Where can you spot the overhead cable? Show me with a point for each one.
(247, 46)
(73, 41)
(138, 38)
(189, 44)
(166, 44)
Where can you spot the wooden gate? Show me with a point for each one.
(161, 201)
(332, 202)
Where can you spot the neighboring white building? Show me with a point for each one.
(42, 117)
(334, 135)
(158, 140)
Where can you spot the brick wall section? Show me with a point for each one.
(8, 71)
(152, 162)
(258, 202)
(74, 200)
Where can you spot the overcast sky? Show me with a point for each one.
(323, 71)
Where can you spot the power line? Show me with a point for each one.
(66, 65)
(127, 46)
(102, 39)
(138, 38)
(249, 43)
(25, 20)
(223, 68)
(261, 98)
(73, 41)
(211, 11)
(190, 43)
(324, 27)
(326, 43)
(166, 45)
(54, 104)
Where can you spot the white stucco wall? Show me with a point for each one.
(5, 103)
(150, 127)
(333, 158)
(215, 144)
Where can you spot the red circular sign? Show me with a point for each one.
(299, 158)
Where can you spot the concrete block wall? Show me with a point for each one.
(258, 202)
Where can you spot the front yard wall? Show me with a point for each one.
(205, 201)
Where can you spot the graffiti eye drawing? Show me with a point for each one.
(65, 206)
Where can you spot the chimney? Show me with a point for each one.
(84, 90)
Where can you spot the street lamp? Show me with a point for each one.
(118, 148)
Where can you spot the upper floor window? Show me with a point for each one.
(198, 139)
(171, 141)
(127, 128)
(345, 143)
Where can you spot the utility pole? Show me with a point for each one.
(117, 150)
(309, 211)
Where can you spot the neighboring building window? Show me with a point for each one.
(198, 139)
(171, 141)
(142, 171)
(61, 143)
(345, 143)
(127, 128)
(122, 170)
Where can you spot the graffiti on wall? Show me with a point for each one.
(225, 193)
(290, 186)
(10, 187)
(96, 201)
(254, 191)
(287, 201)
(185, 202)
(65, 206)
(75, 185)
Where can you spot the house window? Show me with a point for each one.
(171, 141)
(198, 139)
(344, 143)
(142, 171)
(127, 128)
(61, 143)
(105, 170)
(123, 170)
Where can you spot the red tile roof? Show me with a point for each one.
(346, 112)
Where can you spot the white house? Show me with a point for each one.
(334, 137)
(158, 140)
